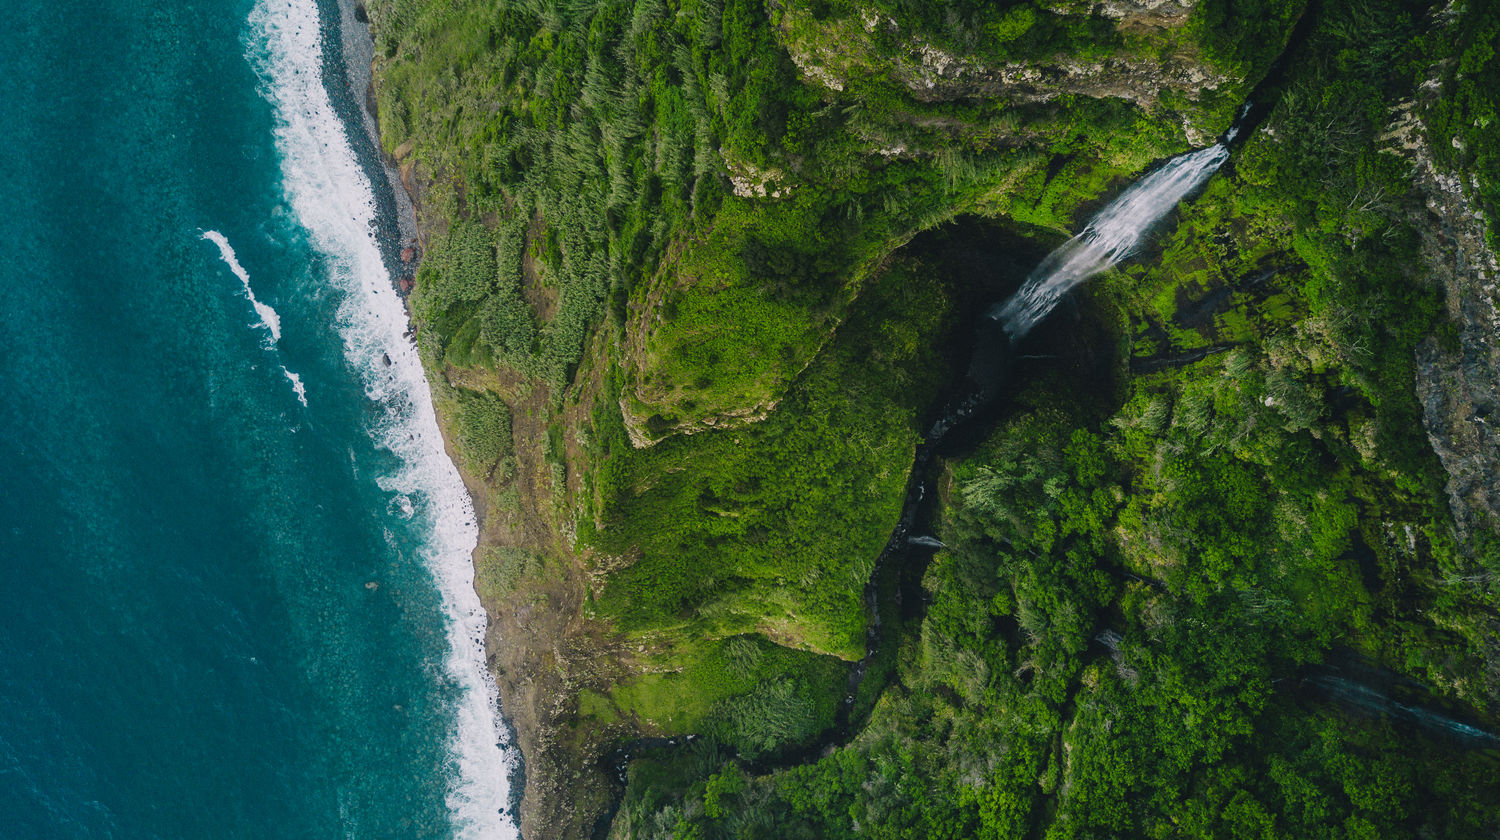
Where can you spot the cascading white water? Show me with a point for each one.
(1109, 237)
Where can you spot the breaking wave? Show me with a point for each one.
(268, 317)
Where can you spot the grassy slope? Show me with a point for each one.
(727, 524)
(772, 529)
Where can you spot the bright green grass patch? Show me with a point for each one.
(751, 694)
(774, 528)
(592, 704)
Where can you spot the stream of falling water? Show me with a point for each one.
(1109, 237)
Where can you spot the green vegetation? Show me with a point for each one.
(1135, 579)
(687, 227)
(481, 425)
(582, 159)
(1465, 109)
(774, 528)
(753, 696)
(1012, 717)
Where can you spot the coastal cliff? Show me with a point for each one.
(697, 276)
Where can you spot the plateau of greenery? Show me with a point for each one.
(713, 265)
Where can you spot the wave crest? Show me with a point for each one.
(268, 317)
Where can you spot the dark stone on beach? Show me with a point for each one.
(386, 357)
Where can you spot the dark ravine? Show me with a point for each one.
(972, 406)
(989, 371)
(894, 582)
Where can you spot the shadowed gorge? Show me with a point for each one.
(900, 419)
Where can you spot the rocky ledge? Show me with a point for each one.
(1458, 382)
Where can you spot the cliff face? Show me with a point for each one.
(1458, 381)
(1137, 54)
(1458, 371)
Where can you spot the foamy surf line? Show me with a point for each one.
(297, 387)
(334, 203)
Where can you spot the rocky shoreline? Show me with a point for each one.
(539, 648)
(348, 74)
(352, 90)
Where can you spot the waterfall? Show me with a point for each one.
(1111, 236)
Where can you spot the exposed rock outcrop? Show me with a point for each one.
(1140, 12)
(929, 72)
(1459, 386)
(750, 181)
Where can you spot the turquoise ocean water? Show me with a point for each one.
(235, 596)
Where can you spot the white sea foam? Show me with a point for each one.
(297, 387)
(332, 200)
(268, 317)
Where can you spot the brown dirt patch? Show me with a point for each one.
(541, 647)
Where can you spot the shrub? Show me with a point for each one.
(481, 426)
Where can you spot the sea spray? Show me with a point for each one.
(1111, 236)
(298, 387)
(333, 201)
